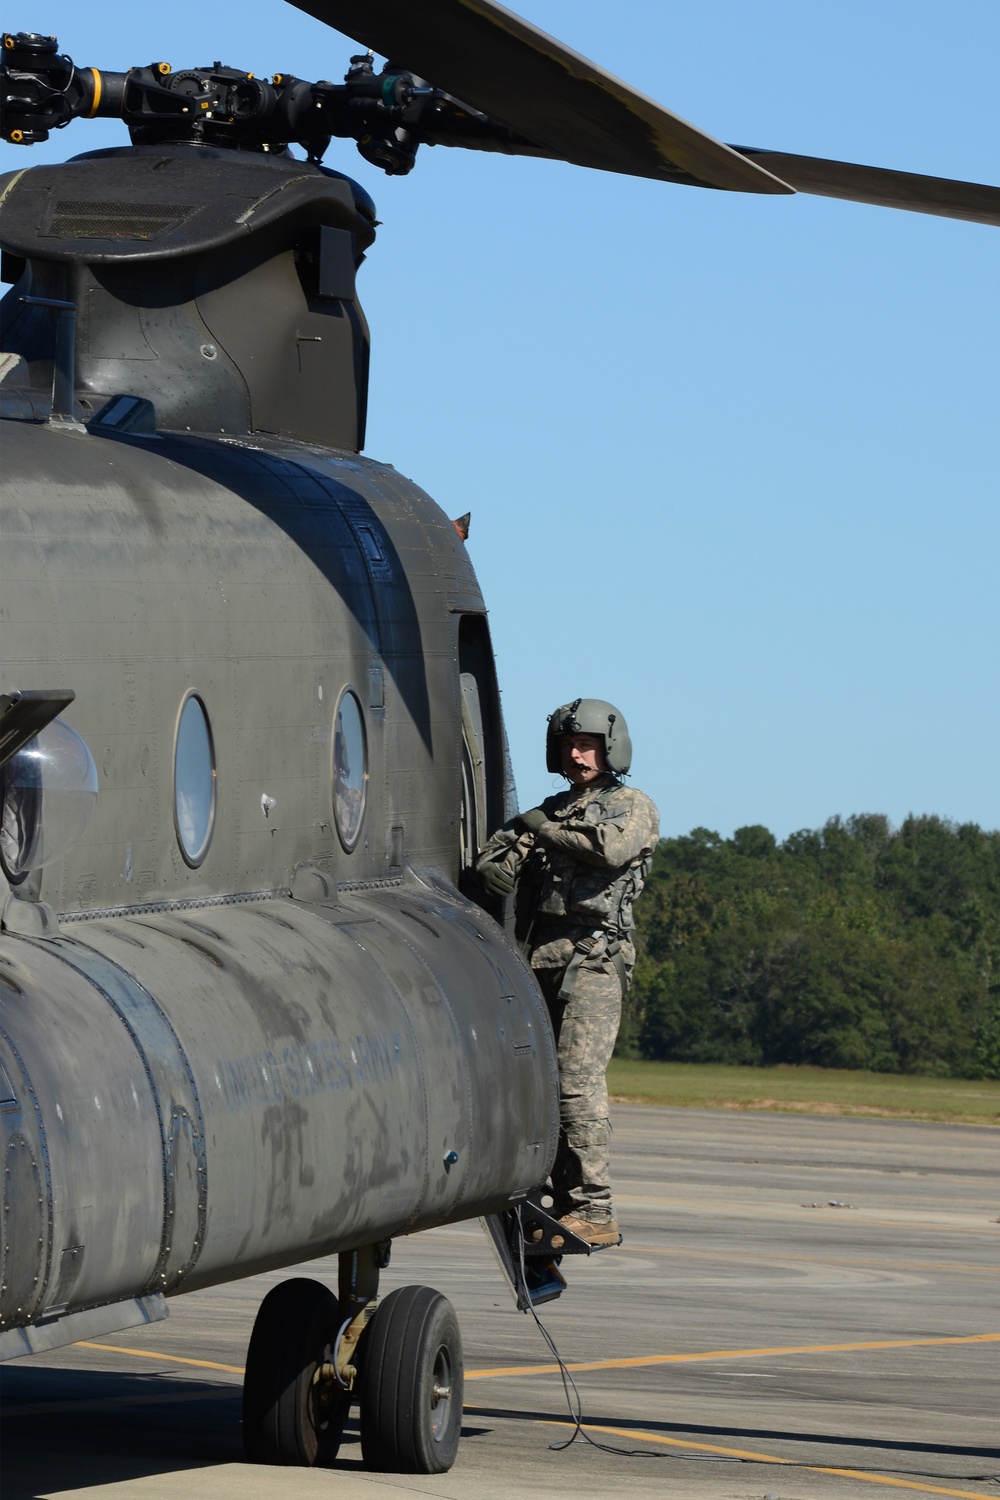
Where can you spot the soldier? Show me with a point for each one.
(578, 862)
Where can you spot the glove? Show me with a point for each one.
(529, 822)
(497, 880)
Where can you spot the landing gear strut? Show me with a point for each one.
(312, 1353)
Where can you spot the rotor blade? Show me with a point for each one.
(841, 179)
(570, 108)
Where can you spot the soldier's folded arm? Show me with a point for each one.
(614, 842)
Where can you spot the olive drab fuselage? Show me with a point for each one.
(249, 1018)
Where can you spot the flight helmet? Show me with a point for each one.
(590, 716)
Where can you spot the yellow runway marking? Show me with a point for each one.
(177, 1359)
(672, 1359)
(770, 1458)
(632, 1363)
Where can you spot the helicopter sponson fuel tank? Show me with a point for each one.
(249, 1015)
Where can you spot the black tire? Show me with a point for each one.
(290, 1416)
(411, 1381)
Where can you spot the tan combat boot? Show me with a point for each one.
(604, 1232)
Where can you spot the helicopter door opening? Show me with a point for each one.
(472, 829)
(483, 748)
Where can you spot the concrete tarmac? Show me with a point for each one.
(804, 1308)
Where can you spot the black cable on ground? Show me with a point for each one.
(574, 1403)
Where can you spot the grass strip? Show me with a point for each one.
(806, 1090)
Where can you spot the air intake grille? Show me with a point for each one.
(73, 219)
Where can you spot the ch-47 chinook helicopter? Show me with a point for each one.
(254, 1010)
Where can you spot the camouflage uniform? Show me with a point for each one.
(577, 878)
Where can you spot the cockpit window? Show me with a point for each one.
(194, 780)
(350, 768)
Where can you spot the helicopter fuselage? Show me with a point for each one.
(249, 1017)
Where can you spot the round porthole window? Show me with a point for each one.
(194, 780)
(350, 768)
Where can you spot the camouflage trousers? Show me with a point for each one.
(586, 1027)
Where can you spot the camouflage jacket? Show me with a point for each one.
(579, 875)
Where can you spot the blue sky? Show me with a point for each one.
(732, 462)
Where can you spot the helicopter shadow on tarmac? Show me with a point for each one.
(108, 1427)
(114, 1425)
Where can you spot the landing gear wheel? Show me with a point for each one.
(293, 1412)
(411, 1384)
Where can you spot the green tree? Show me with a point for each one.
(854, 945)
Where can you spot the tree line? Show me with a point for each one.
(857, 945)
